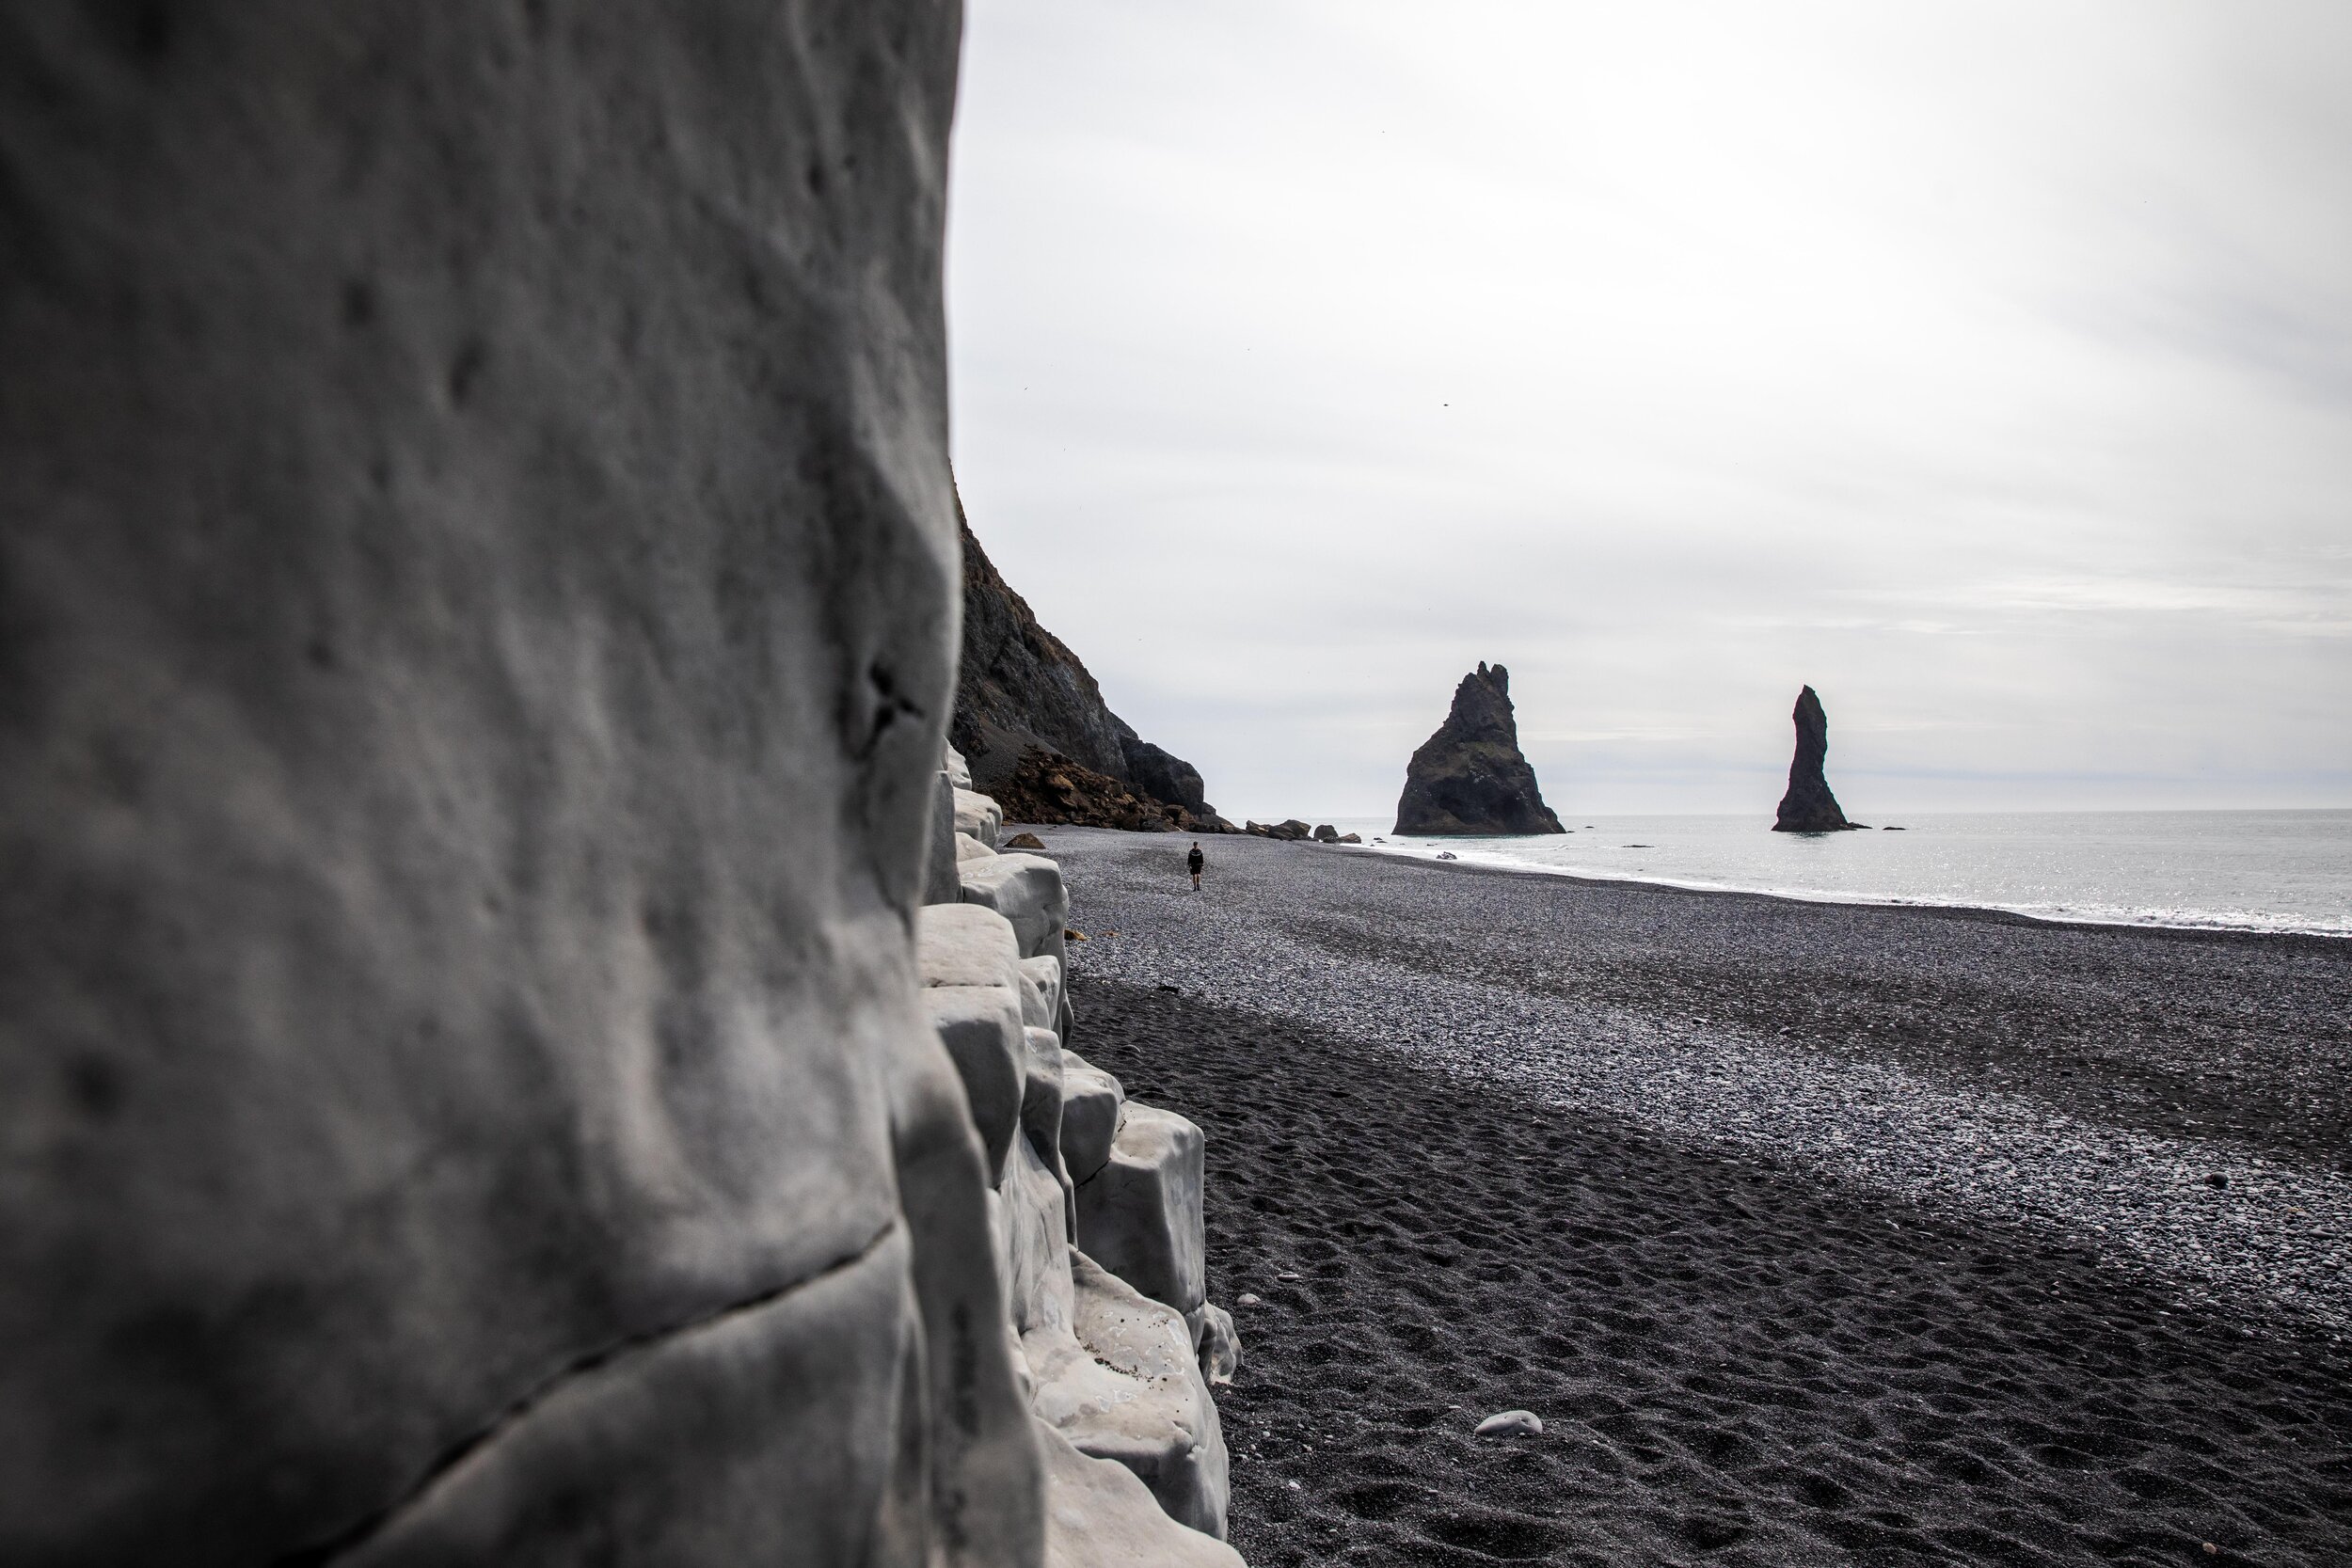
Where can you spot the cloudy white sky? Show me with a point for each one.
(1988, 366)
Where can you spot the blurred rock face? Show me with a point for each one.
(476, 629)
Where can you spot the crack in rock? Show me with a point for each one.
(370, 1526)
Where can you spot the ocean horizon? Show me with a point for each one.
(2281, 870)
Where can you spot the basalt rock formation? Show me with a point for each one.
(1470, 778)
(1020, 690)
(479, 549)
(1047, 787)
(1809, 807)
(1097, 1223)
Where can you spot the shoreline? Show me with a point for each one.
(2176, 1099)
(1993, 911)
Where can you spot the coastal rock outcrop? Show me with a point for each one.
(1124, 1382)
(1045, 786)
(478, 558)
(1032, 725)
(1808, 807)
(1118, 1368)
(1470, 777)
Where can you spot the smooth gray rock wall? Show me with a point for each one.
(1093, 1102)
(942, 848)
(477, 599)
(1027, 890)
(1139, 1215)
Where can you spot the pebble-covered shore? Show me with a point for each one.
(1795, 1033)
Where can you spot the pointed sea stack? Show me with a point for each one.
(1809, 807)
(1470, 778)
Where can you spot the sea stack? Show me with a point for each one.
(1809, 807)
(1470, 778)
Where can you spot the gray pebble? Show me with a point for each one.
(1509, 1422)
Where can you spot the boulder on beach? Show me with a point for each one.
(1025, 841)
(1809, 807)
(1511, 1423)
(1470, 777)
(1291, 831)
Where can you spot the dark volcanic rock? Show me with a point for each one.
(1809, 807)
(1470, 778)
(1164, 776)
(1046, 788)
(1020, 689)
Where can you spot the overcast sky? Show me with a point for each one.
(1987, 366)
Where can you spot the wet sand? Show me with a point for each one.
(1747, 1346)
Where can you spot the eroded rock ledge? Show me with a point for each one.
(1095, 1219)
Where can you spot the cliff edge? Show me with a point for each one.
(1034, 729)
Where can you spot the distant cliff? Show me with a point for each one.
(1032, 723)
(1808, 807)
(1470, 777)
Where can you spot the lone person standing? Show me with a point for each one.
(1194, 862)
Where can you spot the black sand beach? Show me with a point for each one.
(1766, 1341)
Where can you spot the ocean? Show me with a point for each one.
(2246, 870)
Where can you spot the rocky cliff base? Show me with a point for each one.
(1033, 727)
(1094, 1218)
(1049, 788)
